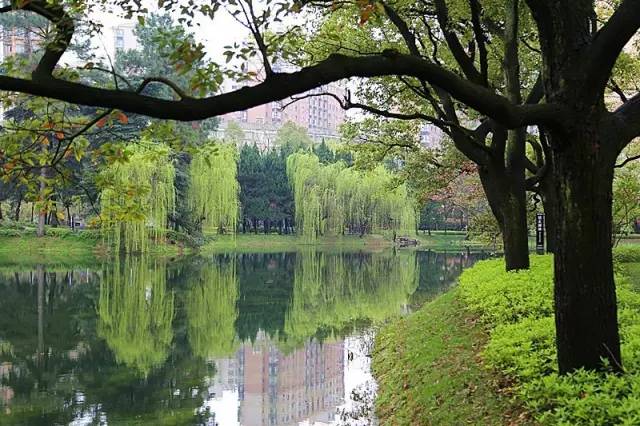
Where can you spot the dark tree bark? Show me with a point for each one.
(577, 66)
(585, 293)
(507, 200)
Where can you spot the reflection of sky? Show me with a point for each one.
(224, 401)
(357, 379)
(225, 407)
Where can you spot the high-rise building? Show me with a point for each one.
(16, 41)
(321, 115)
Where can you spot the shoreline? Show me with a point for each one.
(64, 246)
(484, 353)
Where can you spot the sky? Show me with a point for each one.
(214, 34)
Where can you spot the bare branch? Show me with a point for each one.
(627, 161)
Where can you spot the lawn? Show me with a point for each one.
(429, 370)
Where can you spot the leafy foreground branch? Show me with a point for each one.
(439, 365)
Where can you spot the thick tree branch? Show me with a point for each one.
(537, 91)
(284, 85)
(609, 42)
(64, 32)
(627, 119)
(461, 57)
(481, 40)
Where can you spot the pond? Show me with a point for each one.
(230, 339)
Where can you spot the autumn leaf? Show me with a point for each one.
(122, 118)
(59, 135)
(102, 122)
(366, 13)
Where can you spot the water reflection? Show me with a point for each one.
(135, 312)
(251, 339)
(271, 387)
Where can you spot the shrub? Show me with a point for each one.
(517, 309)
(60, 232)
(186, 239)
(626, 254)
(11, 232)
(506, 297)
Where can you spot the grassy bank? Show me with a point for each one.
(272, 242)
(429, 371)
(458, 359)
(18, 243)
(61, 246)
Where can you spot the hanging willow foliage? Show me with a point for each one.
(334, 199)
(214, 189)
(137, 197)
(135, 312)
(212, 312)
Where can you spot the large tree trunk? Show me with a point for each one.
(585, 294)
(507, 200)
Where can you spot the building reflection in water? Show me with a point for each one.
(271, 387)
(76, 347)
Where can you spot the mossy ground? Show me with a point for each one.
(430, 373)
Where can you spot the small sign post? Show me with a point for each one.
(540, 233)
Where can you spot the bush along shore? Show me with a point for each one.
(484, 353)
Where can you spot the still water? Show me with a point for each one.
(234, 339)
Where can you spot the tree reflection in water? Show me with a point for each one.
(241, 338)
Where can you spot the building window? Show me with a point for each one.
(119, 38)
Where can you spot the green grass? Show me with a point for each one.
(61, 247)
(632, 272)
(429, 370)
(47, 250)
(275, 243)
(439, 240)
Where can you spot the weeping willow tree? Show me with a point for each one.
(135, 312)
(137, 197)
(332, 291)
(214, 189)
(212, 312)
(334, 199)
